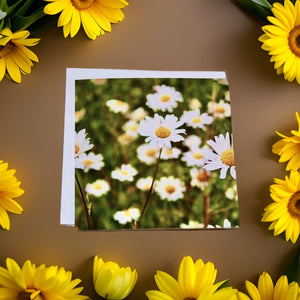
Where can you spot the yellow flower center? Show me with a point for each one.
(202, 176)
(169, 152)
(134, 127)
(7, 49)
(165, 98)
(198, 155)
(151, 152)
(227, 157)
(163, 132)
(170, 189)
(124, 172)
(196, 120)
(220, 109)
(126, 137)
(97, 186)
(76, 149)
(87, 162)
(294, 40)
(294, 205)
(189, 298)
(82, 4)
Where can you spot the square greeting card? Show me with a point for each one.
(148, 149)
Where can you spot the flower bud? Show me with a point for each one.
(111, 281)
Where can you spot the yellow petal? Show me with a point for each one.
(168, 285)
(252, 291)
(12, 69)
(55, 7)
(186, 275)
(75, 23)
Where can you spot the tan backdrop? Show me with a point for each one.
(155, 35)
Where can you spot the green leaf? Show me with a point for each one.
(24, 8)
(257, 11)
(20, 22)
(42, 24)
(10, 10)
(1, 24)
(293, 270)
(264, 3)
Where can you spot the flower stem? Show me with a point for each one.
(149, 193)
(84, 201)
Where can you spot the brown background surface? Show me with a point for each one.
(155, 35)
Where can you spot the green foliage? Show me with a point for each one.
(103, 127)
(259, 9)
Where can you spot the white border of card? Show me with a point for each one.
(67, 212)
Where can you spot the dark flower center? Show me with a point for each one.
(82, 4)
(294, 40)
(294, 205)
(7, 49)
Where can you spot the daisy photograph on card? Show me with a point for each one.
(154, 153)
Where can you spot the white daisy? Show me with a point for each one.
(127, 137)
(196, 156)
(117, 106)
(194, 119)
(219, 110)
(125, 173)
(194, 104)
(82, 143)
(194, 225)
(99, 81)
(227, 96)
(223, 157)
(200, 178)
(170, 153)
(193, 141)
(79, 114)
(127, 216)
(165, 98)
(226, 224)
(169, 188)
(231, 193)
(97, 188)
(144, 184)
(131, 126)
(138, 114)
(161, 131)
(147, 154)
(89, 161)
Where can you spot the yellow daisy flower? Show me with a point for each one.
(195, 282)
(15, 57)
(38, 283)
(281, 39)
(284, 212)
(289, 148)
(266, 290)
(9, 189)
(95, 16)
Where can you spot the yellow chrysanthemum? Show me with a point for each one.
(15, 57)
(9, 189)
(95, 16)
(289, 148)
(266, 290)
(284, 212)
(38, 283)
(195, 282)
(281, 39)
